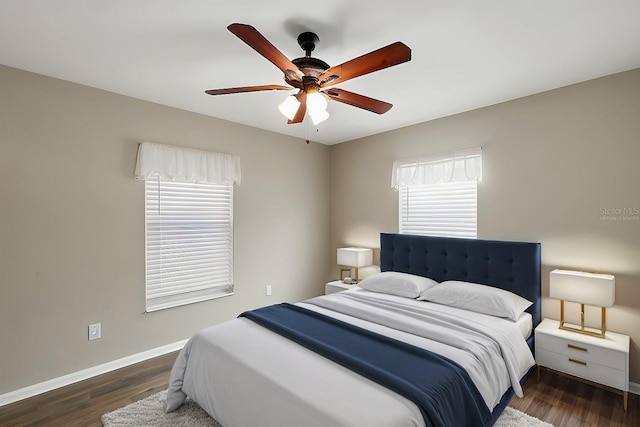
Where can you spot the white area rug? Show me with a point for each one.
(150, 412)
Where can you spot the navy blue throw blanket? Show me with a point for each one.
(441, 388)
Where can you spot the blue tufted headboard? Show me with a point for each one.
(514, 266)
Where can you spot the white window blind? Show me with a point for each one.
(447, 209)
(189, 242)
(438, 194)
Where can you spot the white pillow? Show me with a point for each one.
(479, 298)
(395, 283)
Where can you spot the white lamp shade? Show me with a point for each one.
(316, 103)
(355, 257)
(289, 107)
(319, 117)
(583, 288)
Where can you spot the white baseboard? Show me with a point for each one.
(634, 388)
(43, 387)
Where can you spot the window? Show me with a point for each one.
(447, 209)
(437, 195)
(189, 242)
(188, 223)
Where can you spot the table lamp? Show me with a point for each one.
(583, 288)
(354, 258)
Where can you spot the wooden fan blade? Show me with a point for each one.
(302, 109)
(394, 54)
(260, 44)
(359, 101)
(246, 89)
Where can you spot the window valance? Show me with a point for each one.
(450, 167)
(186, 164)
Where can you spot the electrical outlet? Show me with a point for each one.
(95, 331)
(267, 290)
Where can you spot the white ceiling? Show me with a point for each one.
(466, 54)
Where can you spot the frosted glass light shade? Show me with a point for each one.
(583, 288)
(319, 117)
(316, 103)
(289, 107)
(355, 257)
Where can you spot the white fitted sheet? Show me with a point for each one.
(525, 325)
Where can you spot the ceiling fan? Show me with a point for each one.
(314, 78)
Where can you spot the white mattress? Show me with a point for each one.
(245, 375)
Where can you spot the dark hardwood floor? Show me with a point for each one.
(566, 402)
(83, 403)
(558, 400)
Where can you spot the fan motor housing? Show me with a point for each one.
(311, 66)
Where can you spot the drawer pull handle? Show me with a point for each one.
(579, 362)
(575, 347)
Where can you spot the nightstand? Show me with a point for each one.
(604, 361)
(336, 286)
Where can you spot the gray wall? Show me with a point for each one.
(72, 224)
(551, 162)
(72, 219)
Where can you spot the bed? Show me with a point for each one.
(259, 370)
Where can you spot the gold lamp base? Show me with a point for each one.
(352, 280)
(582, 329)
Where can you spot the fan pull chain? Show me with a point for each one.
(307, 131)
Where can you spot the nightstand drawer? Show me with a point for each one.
(582, 351)
(583, 368)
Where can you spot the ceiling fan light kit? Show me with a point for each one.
(314, 78)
